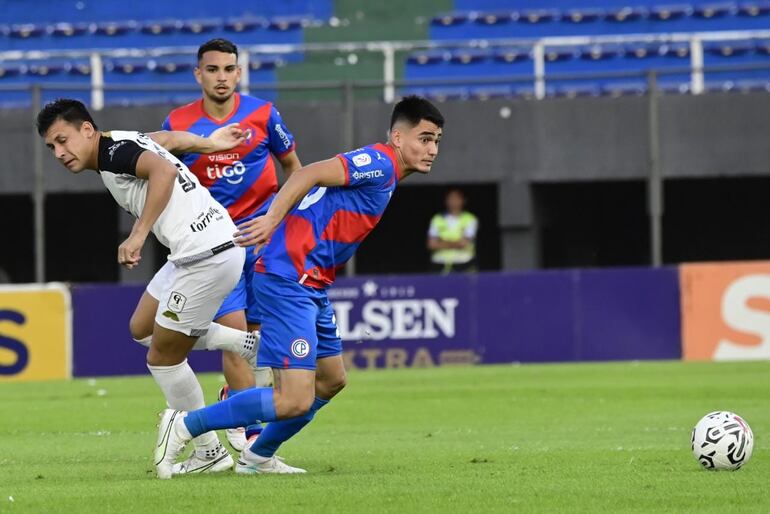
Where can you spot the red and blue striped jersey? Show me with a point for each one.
(323, 231)
(243, 178)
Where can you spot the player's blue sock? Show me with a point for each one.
(237, 411)
(254, 428)
(277, 432)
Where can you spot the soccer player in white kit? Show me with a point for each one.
(204, 264)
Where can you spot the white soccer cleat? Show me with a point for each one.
(171, 441)
(235, 436)
(252, 464)
(219, 460)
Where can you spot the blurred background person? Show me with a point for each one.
(452, 236)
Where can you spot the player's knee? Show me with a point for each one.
(286, 407)
(336, 384)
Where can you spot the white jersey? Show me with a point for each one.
(193, 225)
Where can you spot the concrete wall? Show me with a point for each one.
(510, 143)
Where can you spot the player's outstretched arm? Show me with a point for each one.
(327, 173)
(160, 175)
(180, 142)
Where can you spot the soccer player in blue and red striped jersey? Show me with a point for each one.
(312, 227)
(242, 179)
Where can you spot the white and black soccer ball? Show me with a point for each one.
(722, 440)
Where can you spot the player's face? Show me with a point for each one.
(419, 145)
(71, 145)
(218, 74)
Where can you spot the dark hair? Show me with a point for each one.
(414, 109)
(456, 190)
(217, 45)
(67, 109)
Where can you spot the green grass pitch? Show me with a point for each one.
(534, 438)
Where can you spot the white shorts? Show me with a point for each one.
(189, 296)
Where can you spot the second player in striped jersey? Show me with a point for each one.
(242, 179)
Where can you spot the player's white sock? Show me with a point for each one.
(145, 341)
(220, 337)
(182, 390)
(263, 377)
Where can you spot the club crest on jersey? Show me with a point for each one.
(300, 348)
(176, 301)
(362, 159)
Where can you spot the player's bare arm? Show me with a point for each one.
(327, 173)
(289, 163)
(160, 175)
(180, 142)
(436, 243)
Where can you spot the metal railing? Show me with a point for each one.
(389, 49)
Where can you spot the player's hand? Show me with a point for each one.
(129, 252)
(255, 232)
(229, 136)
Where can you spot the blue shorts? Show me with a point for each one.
(242, 297)
(298, 324)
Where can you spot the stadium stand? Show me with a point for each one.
(531, 19)
(143, 24)
(84, 26)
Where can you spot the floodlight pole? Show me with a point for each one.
(97, 81)
(655, 179)
(348, 140)
(38, 194)
(388, 72)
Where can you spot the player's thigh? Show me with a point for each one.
(143, 318)
(293, 391)
(253, 312)
(193, 295)
(234, 305)
(288, 332)
(331, 377)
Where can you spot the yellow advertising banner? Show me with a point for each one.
(725, 311)
(35, 332)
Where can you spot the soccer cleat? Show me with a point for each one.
(252, 464)
(235, 436)
(219, 460)
(171, 442)
(253, 439)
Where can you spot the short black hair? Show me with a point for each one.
(414, 109)
(67, 109)
(217, 45)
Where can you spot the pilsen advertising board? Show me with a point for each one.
(428, 320)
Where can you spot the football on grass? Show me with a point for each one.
(722, 440)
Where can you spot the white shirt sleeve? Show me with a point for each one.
(470, 230)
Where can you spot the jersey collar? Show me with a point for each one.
(226, 118)
(391, 153)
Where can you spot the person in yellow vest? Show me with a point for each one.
(452, 236)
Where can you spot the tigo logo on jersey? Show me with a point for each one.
(362, 159)
(726, 311)
(300, 348)
(233, 174)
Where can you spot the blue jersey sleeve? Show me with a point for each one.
(366, 167)
(281, 140)
(167, 123)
